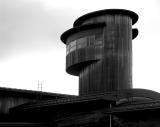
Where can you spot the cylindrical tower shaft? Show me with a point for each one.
(114, 70)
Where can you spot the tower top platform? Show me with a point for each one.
(83, 18)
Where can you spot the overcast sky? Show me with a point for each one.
(31, 50)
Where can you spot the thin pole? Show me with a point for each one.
(41, 85)
(110, 117)
(38, 86)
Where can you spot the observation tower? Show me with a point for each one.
(99, 50)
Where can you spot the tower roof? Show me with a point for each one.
(131, 14)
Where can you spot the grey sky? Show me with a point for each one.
(29, 26)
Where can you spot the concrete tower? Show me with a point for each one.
(99, 50)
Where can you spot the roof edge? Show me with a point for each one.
(67, 33)
(129, 13)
